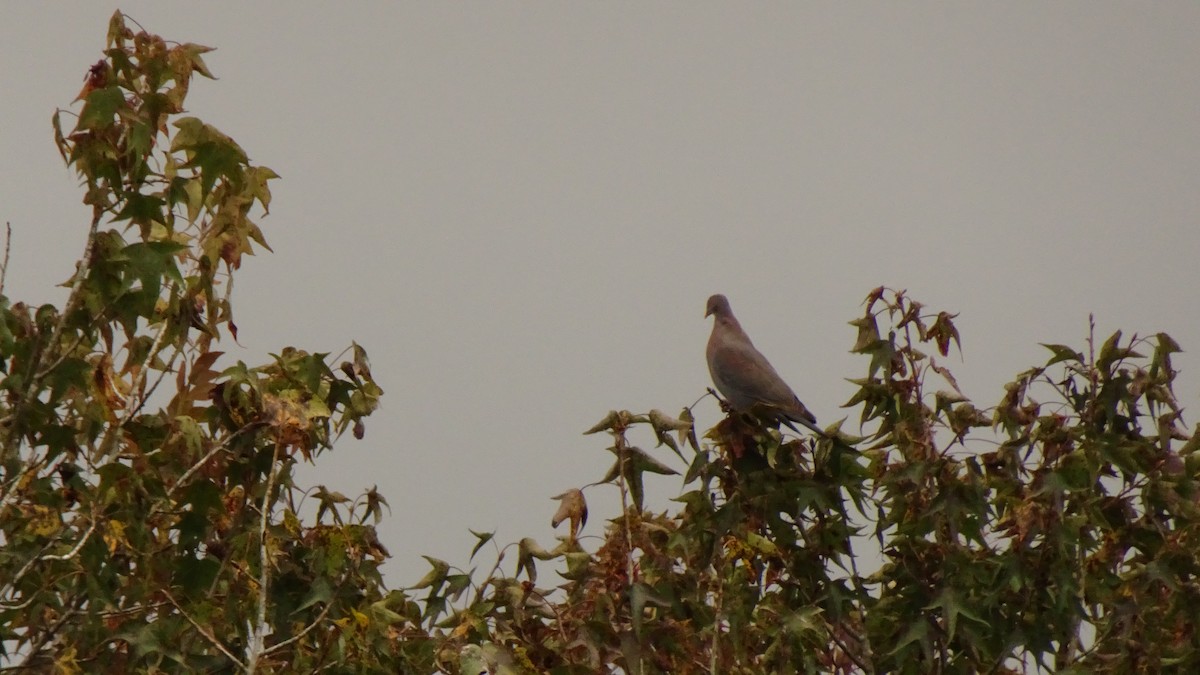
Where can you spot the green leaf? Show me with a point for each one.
(151, 261)
(456, 583)
(257, 178)
(918, 631)
(194, 51)
(578, 565)
(762, 545)
(69, 373)
(101, 107)
(144, 210)
(435, 577)
(952, 607)
(644, 462)
(209, 151)
(636, 490)
(1112, 352)
(868, 335)
(483, 538)
(697, 467)
(638, 594)
(1062, 353)
(195, 575)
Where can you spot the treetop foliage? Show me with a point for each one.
(147, 511)
(149, 519)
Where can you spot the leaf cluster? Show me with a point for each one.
(148, 515)
(1054, 531)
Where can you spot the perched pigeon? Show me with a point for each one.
(743, 375)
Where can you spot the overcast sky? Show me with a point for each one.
(519, 209)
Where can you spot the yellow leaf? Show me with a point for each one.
(291, 523)
(114, 535)
(65, 663)
(195, 198)
(42, 521)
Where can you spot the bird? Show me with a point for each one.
(744, 376)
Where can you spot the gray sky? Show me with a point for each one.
(520, 209)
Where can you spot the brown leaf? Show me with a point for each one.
(947, 375)
(572, 506)
(107, 385)
(286, 418)
(607, 423)
(96, 78)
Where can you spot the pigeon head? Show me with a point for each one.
(717, 305)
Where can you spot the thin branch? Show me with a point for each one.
(558, 617)
(16, 579)
(491, 573)
(17, 607)
(170, 368)
(621, 457)
(41, 556)
(202, 630)
(9, 492)
(316, 622)
(132, 610)
(75, 551)
(35, 649)
(211, 453)
(7, 244)
(66, 353)
(848, 652)
(155, 348)
(718, 602)
(138, 395)
(254, 649)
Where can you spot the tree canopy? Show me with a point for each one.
(150, 520)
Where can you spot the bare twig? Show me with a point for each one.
(7, 243)
(132, 610)
(203, 631)
(19, 606)
(621, 460)
(254, 649)
(75, 551)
